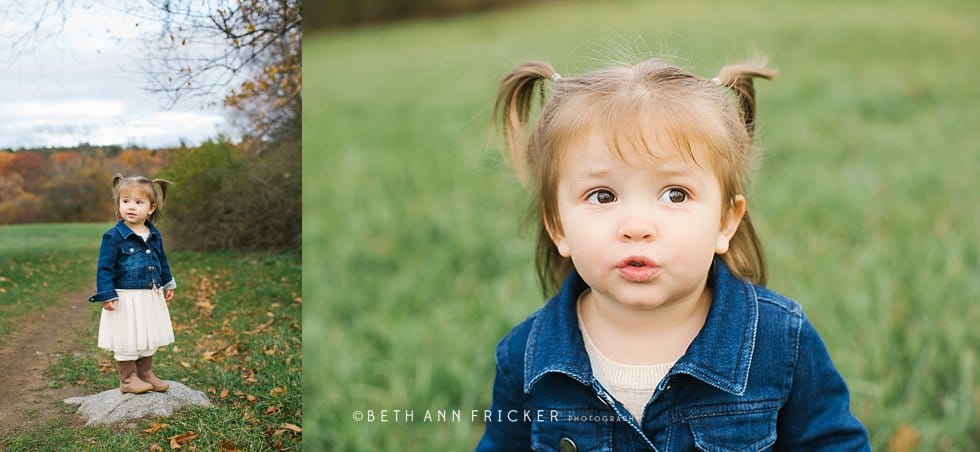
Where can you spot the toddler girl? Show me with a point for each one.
(662, 335)
(134, 284)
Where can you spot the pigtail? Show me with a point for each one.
(116, 180)
(745, 256)
(513, 107)
(164, 186)
(739, 77)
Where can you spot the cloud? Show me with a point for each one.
(83, 83)
(101, 122)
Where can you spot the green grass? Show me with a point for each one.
(39, 262)
(237, 320)
(867, 201)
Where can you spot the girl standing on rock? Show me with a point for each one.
(134, 284)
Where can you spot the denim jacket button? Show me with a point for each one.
(151, 268)
(567, 445)
(147, 251)
(132, 249)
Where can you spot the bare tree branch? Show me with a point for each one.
(248, 50)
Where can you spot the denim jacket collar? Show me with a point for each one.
(720, 354)
(125, 232)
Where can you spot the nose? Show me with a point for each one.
(637, 228)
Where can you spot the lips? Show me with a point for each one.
(638, 269)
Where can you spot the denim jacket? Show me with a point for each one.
(756, 377)
(127, 262)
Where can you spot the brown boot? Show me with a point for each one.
(144, 369)
(129, 381)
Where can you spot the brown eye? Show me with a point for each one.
(601, 197)
(673, 196)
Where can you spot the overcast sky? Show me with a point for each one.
(84, 84)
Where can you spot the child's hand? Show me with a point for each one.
(168, 294)
(109, 305)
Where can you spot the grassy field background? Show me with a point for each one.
(39, 262)
(867, 202)
(237, 322)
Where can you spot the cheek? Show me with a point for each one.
(582, 236)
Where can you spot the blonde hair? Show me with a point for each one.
(145, 186)
(642, 107)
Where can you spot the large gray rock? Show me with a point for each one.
(113, 407)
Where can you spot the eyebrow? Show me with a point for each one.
(670, 171)
(594, 174)
(674, 171)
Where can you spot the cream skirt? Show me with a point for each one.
(140, 322)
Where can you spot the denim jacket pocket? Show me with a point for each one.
(572, 429)
(734, 426)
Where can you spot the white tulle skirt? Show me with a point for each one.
(140, 322)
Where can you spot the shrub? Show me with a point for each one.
(224, 198)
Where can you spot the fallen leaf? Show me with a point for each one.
(251, 398)
(292, 427)
(224, 393)
(275, 392)
(271, 410)
(156, 448)
(261, 327)
(106, 366)
(185, 364)
(156, 427)
(209, 356)
(904, 439)
(183, 438)
(232, 349)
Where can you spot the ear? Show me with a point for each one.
(558, 238)
(729, 224)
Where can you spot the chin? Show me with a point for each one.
(647, 304)
(641, 298)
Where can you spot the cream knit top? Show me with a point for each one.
(632, 385)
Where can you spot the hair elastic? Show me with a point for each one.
(717, 81)
(556, 76)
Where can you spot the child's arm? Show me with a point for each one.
(817, 413)
(169, 283)
(508, 392)
(108, 253)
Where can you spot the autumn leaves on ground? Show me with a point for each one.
(238, 328)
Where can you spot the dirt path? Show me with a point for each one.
(24, 394)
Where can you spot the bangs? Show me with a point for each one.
(641, 128)
(136, 188)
